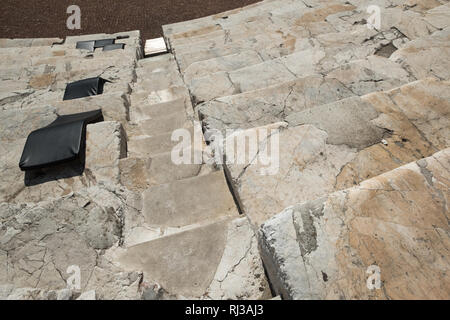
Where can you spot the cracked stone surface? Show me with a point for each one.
(360, 117)
(219, 261)
(41, 240)
(275, 103)
(397, 221)
(338, 145)
(127, 194)
(314, 57)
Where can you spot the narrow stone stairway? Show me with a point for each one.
(190, 238)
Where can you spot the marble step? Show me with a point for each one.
(297, 19)
(297, 65)
(216, 260)
(272, 104)
(157, 63)
(278, 39)
(386, 223)
(188, 201)
(225, 63)
(148, 146)
(339, 15)
(427, 56)
(338, 145)
(147, 97)
(57, 58)
(142, 173)
(338, 48)
(144, 112)
(49, 88)
(231, 34)
(209, 23)
(61, 66)
(114, 106)
(155, 81)
(30, 42)
(166, 123)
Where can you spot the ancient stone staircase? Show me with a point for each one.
(363, 123)
(351, 103)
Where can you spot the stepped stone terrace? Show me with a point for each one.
(361, 114)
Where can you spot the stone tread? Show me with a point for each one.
(217, 260)
(396, 221)
(344, 143)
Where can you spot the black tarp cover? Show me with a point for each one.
(104, 42)
(86, 45)
(92, 44)
(115, 46)
(84, 88)
(61, 141)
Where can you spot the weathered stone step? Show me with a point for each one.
(293, 25)
(225, 63)
(188, 201)
(396, 223)
(157, 63)
(49, 88)
(335, 49)
(305, 22)
(143, 112)
(219, 260)
(210, 23)
(114, 106)
(427, 56)
(13, 85)
(316, 59)
(335, 146)
(147, 146)
(141, 173)
(35, 42)
(162, 124)
(298, 65)
(281, 40)
(160, 96)
(71, 65)
(274, 103)
(58, 58)
(243, 30)
(335, 14)
(155, 81)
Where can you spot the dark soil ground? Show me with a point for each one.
(47, 18)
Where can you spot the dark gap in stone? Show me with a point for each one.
(386, 51)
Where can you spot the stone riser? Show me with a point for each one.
(389, 221)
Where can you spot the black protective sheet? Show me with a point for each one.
(91, 45)
(104, 42)
(61, 141)
(84, 88)
(115, 46)
(86, 45)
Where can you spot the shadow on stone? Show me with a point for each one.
(61, 171)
